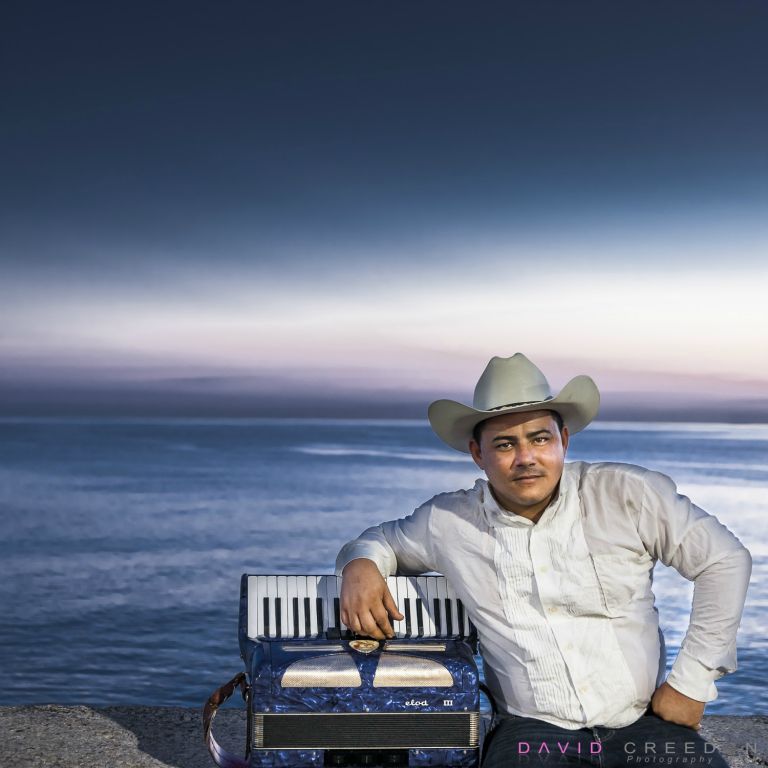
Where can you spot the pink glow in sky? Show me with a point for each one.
(634, 329)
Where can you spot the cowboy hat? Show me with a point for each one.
(513, 385)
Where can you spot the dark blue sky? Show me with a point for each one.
(187, 123)
(153, 150)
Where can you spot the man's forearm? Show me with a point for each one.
(370, 546)
(708, 650)
(396, 546)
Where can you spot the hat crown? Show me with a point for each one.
(510, 381)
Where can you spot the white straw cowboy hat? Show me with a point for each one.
(513, 385)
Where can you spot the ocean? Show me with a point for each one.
(122, 541)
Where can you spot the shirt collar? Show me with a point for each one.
(497, 516)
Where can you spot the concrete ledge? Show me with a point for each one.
(53, 736)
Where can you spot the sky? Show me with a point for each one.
(344, 208)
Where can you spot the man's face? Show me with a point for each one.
(522, 454)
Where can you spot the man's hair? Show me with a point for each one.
(478, 430)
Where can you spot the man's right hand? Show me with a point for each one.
(366, 602)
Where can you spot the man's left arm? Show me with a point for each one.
(699, 547)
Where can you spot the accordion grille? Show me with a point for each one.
(403, 671)
(418, 730)
(334, 670)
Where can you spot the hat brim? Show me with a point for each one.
(577, 403)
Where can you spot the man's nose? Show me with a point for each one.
(524, 455)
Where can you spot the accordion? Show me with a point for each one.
(319, 696)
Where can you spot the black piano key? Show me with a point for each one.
(407, 612)
(295, 601)
(319, 611)
(438, 628)
(460, 618)
(336, 613)
(419, 617)
(278, 617)
(266, 616)
(448, 619)
(307, 620)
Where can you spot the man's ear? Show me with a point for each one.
(564, 435)
(477, 454)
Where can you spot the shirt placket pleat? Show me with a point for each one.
(587, 645)
(521, 561)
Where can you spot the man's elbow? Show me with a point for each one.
(737, 565)
(743, 555)
(732, 567)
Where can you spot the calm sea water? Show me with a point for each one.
(122, 541)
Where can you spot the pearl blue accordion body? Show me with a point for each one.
(318, 696)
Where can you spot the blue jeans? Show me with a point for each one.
(647, 743)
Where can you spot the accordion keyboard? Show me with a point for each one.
(308, 607)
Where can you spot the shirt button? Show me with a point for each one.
(552, 609)
(544, 568)
(569, 647)
(584, 689)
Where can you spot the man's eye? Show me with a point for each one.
(541, 440)
(503, 446)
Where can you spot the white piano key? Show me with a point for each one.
(447, 607)
(322, 624)
(293, 629)
(427, 612)
(432, 593)
(301, 593)
(312, 607)
(324, 589)
(412, 595)
(320, 616)
(322, 593)
(393, 583)
(454, 601)
(436, 606)
(462, 626)
(271, 594)
(342, 626)
(334, 598)
(254, 621)
(257, 591)
(402, 595)
(282, 594)
(253, 614)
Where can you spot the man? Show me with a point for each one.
(554, 562)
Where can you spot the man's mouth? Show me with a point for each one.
(527, 477)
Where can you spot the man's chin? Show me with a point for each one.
(523, 503)
(515, 499)
(527, 492)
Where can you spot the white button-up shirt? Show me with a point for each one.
(564, 609)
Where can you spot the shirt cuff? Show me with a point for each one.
(691, 678)
(357, 550)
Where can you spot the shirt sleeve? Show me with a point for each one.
(398, 546)
(700, 548)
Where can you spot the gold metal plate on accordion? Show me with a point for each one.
(415, 647)
(334, 670)
(402, 671)
(338, 670)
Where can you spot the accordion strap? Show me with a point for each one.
(220, 756)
